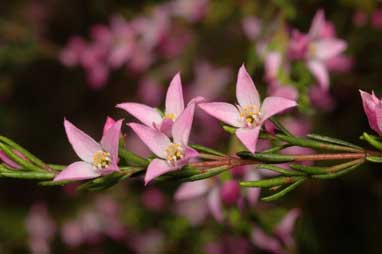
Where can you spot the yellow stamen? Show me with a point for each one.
(250, 115)
(101, 159)
(171, 116)
(174, 152)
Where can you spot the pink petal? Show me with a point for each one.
(4, 158)
(373, 110)
(319, 71)
(156, 141)
(189, 154)
(77, 171)
(253, 194)
(174, 97)
(109, 123)
(215, 205)
(182, 126)
(84, 146)
(274, 105)
(156, 168)
(192, 190)
(286, 225)
(246, 92)
(225, 112)
(147, 115)
(264, 241)
(328, 48)
(317, 24)
(272, 65)
(248, 137)
(110, 140)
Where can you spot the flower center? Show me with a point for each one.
(250, 115)
(101, 160)
(171, 116)
(174, 152)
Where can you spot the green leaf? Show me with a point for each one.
(132, 158)
(229, 129)
(265, 157)
(374, 159)
(372, 140)
(24, 163)
(271, 182)
(284, 191)
(280, 127)
(279, 170)
(337, 174)
(333, 140)
(204, 149)
(314, 144)
(25, 152)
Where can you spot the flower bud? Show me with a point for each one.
(230, 192)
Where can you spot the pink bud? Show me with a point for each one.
(230, 192)
(376, 19)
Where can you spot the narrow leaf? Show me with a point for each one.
(279, 170)
(284, 191)
(265, 157)
(333, 140)
(271, 182)
(204, 149)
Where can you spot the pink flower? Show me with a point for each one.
(252, 27)
(283, 233)
(376, 19)
(317, 47)
(97, 158)
(151, 116)
(172, 154)
(373, 109)
(359, 18)
(249, 115)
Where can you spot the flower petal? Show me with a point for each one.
(225, 112)
(328, 48)
(320, 72)
(182, 126)
(77, 171)
(156, 141)
(147, 115)
(373, 110)
(108, 123)
(274, 105)
(317, 24)
(174, 97)
(253, 194)
(246, 92)
(192, 190)
(110, 140)
(189, 154)
(248, 137)
(84, 146)
(156, 168)
(215, 204)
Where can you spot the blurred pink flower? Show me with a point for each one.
(282, 239)
(317, 47)
(97, 158)
(359, 18)
(153, 199)
(373, 110)
(376, 19)
(192, 11)
(252, 27)
(40, 228)
(249, 116)
(150, 91)
(321, 98)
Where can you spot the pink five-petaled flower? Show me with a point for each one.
(373, 110)
(172, 154)
(97, 158)
(249, 115)
(151, 116)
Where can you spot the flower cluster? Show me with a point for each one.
(167, 134)
(136, 43)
